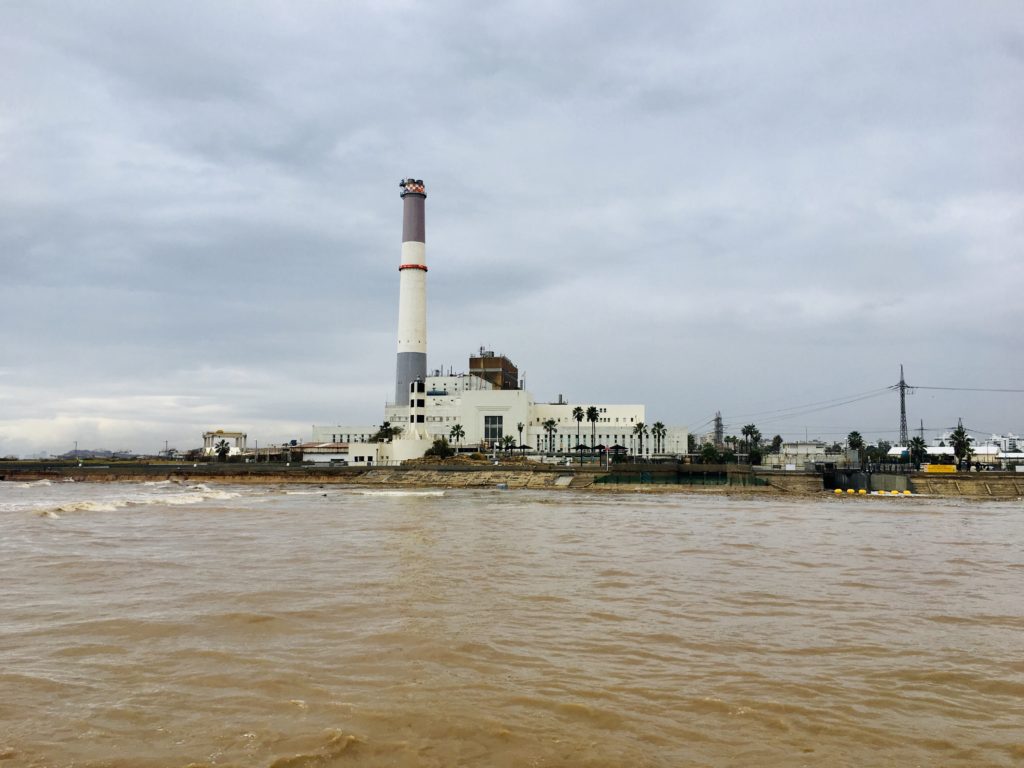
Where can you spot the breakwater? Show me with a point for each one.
(632, 477)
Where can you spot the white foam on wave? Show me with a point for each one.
(195, 498)
(88, 506)
(183, 498)
(34, 484)
(400, 493)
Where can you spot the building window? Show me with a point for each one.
(492, 427)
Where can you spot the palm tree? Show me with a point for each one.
(386, 432)
(658, 432)
(918, 451)
(578, 414)
(456, 433)
(520, 426)
(753, 435)
(508, 443)
(961, 443)
(592, 416)
(551, 426)
(640, 429)
(854, 440)
(222, 448)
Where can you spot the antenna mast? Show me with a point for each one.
(904, 437)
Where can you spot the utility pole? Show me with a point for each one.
(904, 438)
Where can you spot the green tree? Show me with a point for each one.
(709, 454)
(960, 441)
(918, 451)
(440, 449)
(854, 440)
(658, 432)
(878, 452)
(508, 443)
(222, 448)
(551, 427)
(456, 433)
(777, 444)
(592, 416)
(578, 414)
(520, 426)
(640, 430)
(386, 432)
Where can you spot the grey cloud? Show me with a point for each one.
(694, 206)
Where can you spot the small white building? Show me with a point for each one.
(213, 438)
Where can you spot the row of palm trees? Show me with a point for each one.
(917, 448)
(657, 430)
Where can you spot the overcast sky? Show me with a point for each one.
(698, 206)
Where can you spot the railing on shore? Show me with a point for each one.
(688, 478)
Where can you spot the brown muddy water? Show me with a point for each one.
(168, 625)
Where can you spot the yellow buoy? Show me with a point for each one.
(895, 493)
(849, 490)
(839, 490)
(907, 493)
(861, 491)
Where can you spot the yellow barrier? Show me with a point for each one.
(941, 468)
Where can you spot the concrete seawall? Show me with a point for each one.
(985, 485)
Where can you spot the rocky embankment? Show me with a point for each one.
(461, 473)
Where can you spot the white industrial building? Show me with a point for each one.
(488, 402)
(487, 414)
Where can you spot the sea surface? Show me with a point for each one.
(301, 627)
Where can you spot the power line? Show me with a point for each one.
(967, 389)
(807, 411)
(831, 402)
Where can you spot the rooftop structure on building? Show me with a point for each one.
(497, 369)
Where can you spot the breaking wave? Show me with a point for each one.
(400, 493)
(194, 495)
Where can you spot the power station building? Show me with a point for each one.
(488, 402)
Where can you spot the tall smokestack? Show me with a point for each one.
(412, 291)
